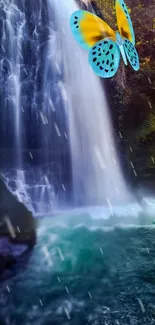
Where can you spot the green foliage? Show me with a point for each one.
(148, 129)
(134, 93)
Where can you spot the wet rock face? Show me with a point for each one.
(17, 230)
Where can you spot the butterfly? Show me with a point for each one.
(106, 46)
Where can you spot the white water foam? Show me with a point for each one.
(97, 175)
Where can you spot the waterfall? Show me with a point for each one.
(28, 96)
(97, 175)
(11, 52)
(50, 100)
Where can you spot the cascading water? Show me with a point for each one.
(11, 52)
(28, 85)
(44, 78)
(36, 189)
(97, 176)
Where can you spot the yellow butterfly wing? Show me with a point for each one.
(124, 21)
(88, 29)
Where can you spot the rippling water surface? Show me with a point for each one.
(83, 272)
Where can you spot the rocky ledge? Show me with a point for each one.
(17, 232)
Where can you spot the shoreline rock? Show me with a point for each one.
(17, 231)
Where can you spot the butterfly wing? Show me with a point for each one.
(88, 29)
(131, 54)
(104, 58)
(124, 21)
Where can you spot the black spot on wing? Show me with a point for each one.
(125, 10)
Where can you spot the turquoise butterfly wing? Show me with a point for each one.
(124, 22)
(104, 58)
(95, 35)
(75, 20)
(88, 29)
(127, 32)
(131, 54)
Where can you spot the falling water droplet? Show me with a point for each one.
(131, 149)
(135, 172)
(60, 254)
(117, 190)
(58, 279)
(51, 105)
(25, 71)
(3, 48)
(57, 130)
(150, 104)
(110, 206)
(66, 289)
(132, 165)
(63, 186)
(18, 229)
(99, 157)
(67, 313)
(47, 255)
(43, 118)
(10, 227)
(89, 294)
(41, 303)
(8, 288)
(120, 134)
(141, 305)
(31, 155)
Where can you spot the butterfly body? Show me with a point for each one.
(104, 45)
(119, 41)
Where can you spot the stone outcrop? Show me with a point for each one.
(17, 230)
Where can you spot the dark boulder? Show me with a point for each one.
(17, 231)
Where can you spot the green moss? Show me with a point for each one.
(148, 128)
